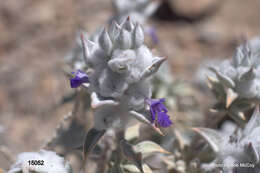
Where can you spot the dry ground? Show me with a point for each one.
(35, 35)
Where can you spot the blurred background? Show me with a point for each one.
(36, 35)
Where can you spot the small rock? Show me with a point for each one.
(194, 9)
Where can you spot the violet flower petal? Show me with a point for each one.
(79, 78)
(158, 112)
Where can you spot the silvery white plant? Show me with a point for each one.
(236, 150)
(254, 43)
(118, 68)
(51, 163)
(236, 83)
(203, 71)
(74, 59)
(117, 75)
(138, 10)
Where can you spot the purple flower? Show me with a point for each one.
(79, 78)
(159, 112)
(153, 35)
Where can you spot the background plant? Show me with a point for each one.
(33, 82)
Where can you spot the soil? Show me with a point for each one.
(36, 35)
